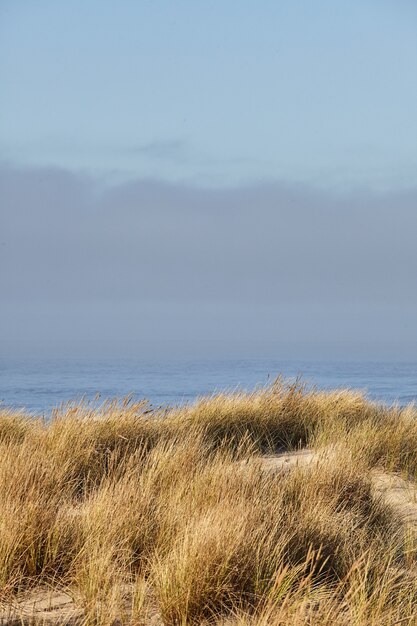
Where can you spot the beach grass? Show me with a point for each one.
(178, 516)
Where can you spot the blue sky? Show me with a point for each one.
(260, 170)
(213, 93)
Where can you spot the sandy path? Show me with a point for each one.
(399, 493)
(42, 606)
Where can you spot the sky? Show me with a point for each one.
(208, 178)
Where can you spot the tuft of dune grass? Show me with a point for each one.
(171, 517)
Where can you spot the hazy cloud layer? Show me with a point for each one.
(147, 268)
(171, 149)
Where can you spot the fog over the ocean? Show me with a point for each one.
(150, 268)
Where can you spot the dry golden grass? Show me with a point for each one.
(171, 517)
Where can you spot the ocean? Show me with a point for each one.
(40, 385)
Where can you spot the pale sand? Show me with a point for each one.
(399, 493)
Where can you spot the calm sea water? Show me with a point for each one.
(38, 386)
